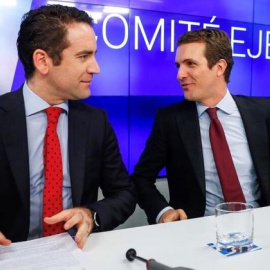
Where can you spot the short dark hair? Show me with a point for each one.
(46, 28)
(218, 46)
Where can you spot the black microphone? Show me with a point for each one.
(150, 264)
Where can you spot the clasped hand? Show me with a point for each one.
(173, 215)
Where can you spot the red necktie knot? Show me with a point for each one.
(53, 114)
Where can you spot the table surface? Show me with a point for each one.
(181, 243)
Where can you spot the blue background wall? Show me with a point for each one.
(136, 51)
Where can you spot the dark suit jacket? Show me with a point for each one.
(94, 161)
(175, 142)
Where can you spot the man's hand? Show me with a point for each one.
(79, 216)
(4, 241)
(173, 215)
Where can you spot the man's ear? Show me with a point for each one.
(221, 67)
(41, 61)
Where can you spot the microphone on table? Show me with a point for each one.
(150, 264)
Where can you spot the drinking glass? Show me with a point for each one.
(234, 227)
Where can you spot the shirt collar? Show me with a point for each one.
(33, 103)
(226, 104)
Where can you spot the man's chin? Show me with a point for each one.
(87, 94)
(78, 97)
(188, 96)
(82, 95)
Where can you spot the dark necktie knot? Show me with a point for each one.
(212, 112)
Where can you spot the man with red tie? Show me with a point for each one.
(56, 151)
(213, 144)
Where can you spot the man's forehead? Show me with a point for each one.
(192, 46)
(190, 50)
(78, 33)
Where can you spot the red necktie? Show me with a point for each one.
(230, 185)
(53, 173)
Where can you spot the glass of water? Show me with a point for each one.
(234, 227)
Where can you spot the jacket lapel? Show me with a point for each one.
(15, 141)
(77, 136)
(254, 123)
(188, 125)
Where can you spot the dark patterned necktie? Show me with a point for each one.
(53, 173)
(230, 185)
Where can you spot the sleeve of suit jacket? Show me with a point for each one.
(103, 167)
(146, 171)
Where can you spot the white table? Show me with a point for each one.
(182, 243)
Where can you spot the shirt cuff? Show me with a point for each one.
(162, 212)
(96, 222)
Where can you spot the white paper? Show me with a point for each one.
(58, 252)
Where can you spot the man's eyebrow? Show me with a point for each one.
(185, 61)
(188, 59)
(86, 52)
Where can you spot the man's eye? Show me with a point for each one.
(190, 64)
(84, 56)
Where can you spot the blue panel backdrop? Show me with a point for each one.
(136, 52)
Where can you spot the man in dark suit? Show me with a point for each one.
(57, 47)
(180, 136)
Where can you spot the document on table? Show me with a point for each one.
(58, 252)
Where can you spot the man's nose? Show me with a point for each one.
(181, 73)
(93, 67)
